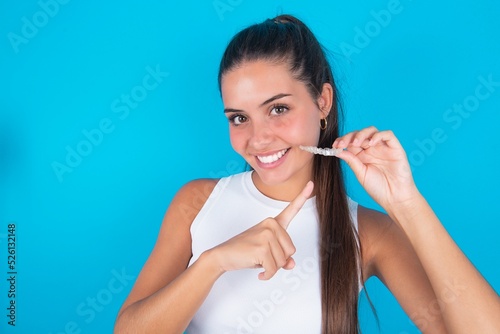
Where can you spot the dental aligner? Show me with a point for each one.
(323, 151)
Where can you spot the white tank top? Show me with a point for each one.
(290, 302)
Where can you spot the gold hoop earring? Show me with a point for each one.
(323, 123)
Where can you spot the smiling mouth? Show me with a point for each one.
(273, 157)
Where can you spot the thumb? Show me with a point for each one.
(290, 264)
(357, 166)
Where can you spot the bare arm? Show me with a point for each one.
(170, 309)
(166, 295)
(389, 255)
(468, 303)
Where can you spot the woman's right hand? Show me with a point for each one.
(266, 245)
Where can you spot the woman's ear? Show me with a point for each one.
(325, 100)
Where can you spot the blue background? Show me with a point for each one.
(78, 231)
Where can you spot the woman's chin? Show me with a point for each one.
(270, 178)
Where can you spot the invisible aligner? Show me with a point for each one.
(322, 151)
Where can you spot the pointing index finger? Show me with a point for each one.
(285, 217)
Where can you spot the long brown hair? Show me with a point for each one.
(287, 39)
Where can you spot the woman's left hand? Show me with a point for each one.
(380, 164)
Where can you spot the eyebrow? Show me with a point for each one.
(275, 97)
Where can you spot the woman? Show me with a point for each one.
(279, 93)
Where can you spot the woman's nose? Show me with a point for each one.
(262, 136)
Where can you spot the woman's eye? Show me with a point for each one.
(279, 109)
(238, 119)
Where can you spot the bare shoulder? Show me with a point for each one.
(182, 211)
(190, 199)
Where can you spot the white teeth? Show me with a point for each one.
(271, 158)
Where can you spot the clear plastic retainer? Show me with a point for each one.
(330, 152)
